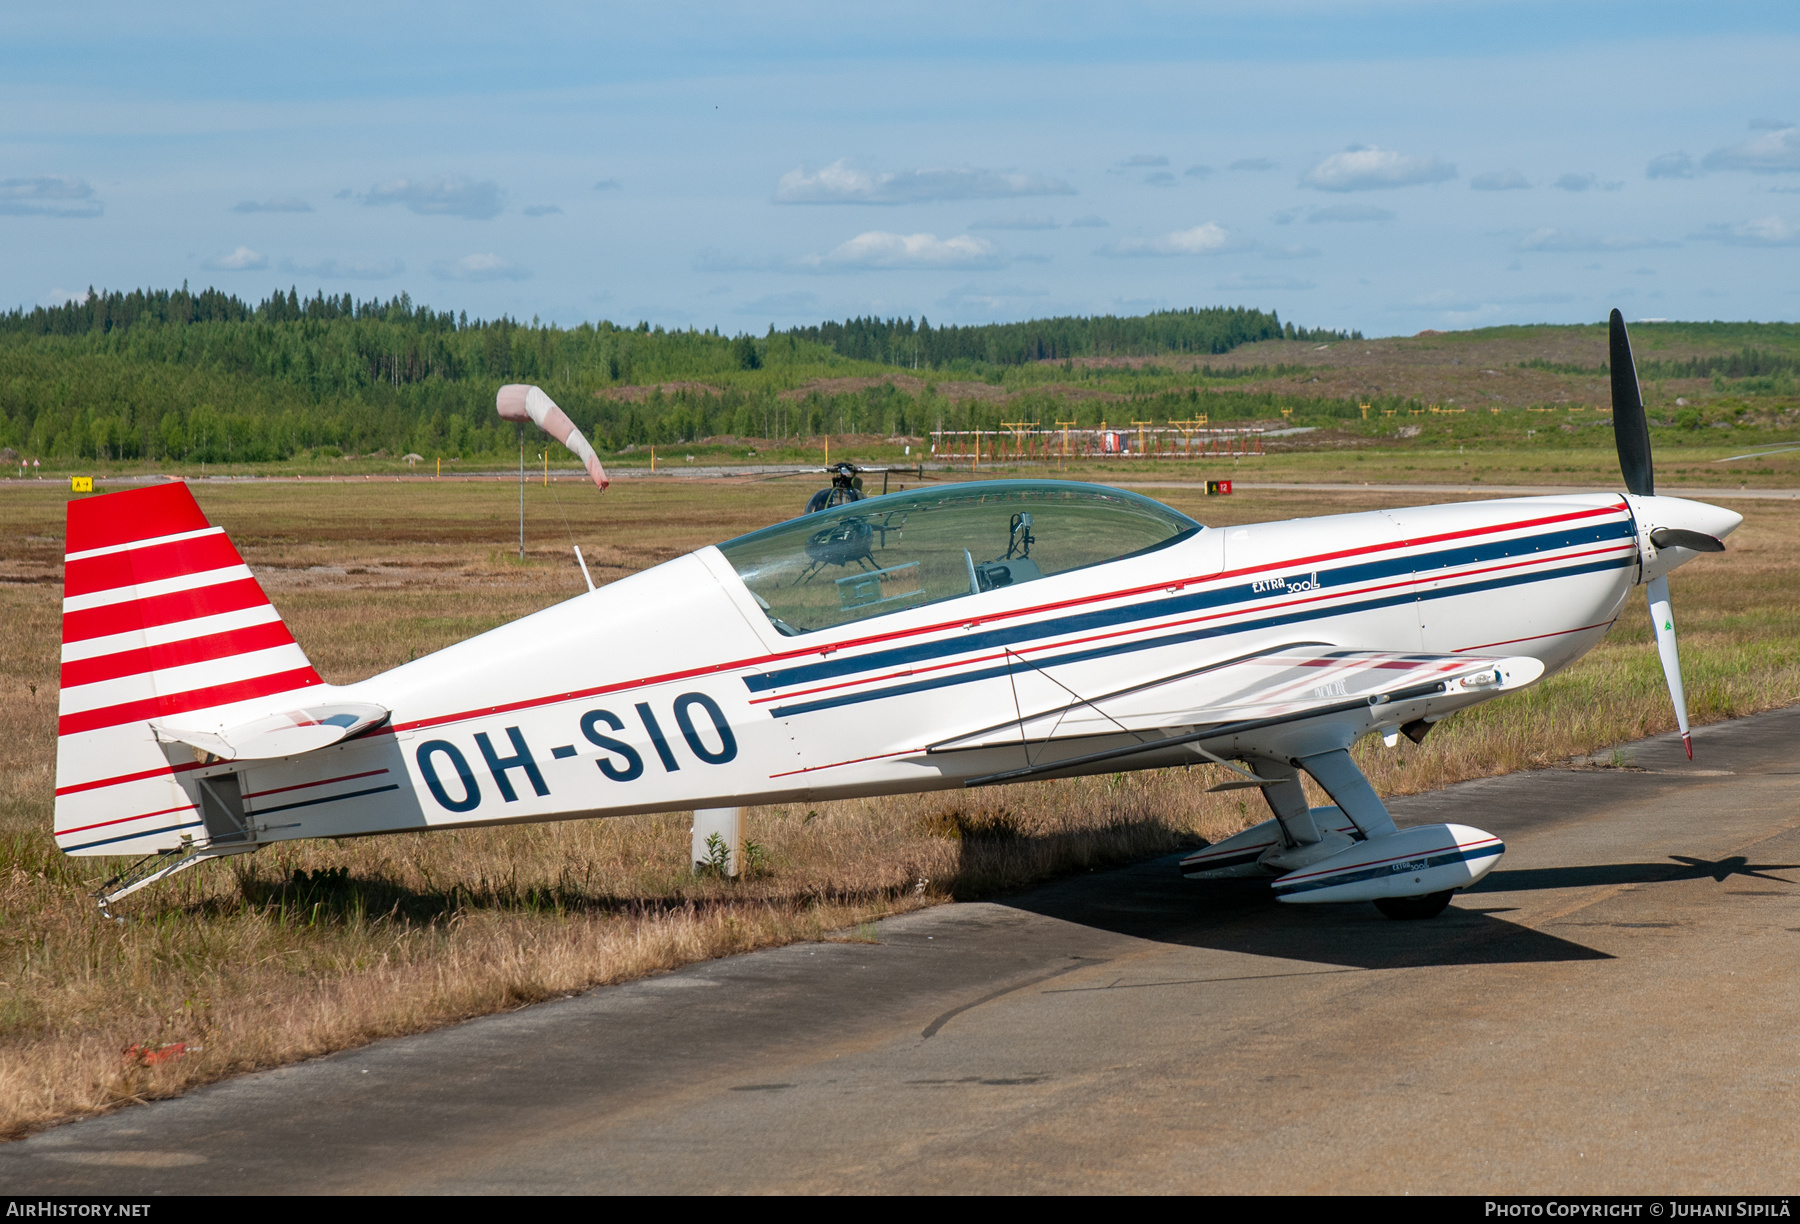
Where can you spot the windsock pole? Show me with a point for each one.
(520, 402)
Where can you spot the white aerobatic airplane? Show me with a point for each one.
(961, 635)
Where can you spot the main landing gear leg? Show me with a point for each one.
(1345, 783)
(1408, 873)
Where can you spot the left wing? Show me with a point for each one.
(1285, 684)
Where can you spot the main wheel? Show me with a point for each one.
(1428, 906)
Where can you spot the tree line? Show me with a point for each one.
(205, 376)
(901, 342)
(1745, 363)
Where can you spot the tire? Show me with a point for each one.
(1403, 908)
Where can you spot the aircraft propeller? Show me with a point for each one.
(1631, 432)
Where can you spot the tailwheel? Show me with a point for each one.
(1428, 906)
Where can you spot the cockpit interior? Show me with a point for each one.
(905, 550)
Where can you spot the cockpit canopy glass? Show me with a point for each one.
(905, 550)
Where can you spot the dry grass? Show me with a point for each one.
(309, 948)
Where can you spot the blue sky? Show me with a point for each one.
(1383, 166)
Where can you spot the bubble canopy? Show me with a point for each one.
(888, 554)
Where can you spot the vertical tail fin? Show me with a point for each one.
(161, 617)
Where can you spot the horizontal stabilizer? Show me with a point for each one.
(278, 735)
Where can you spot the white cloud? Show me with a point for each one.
(1368, 168)
(1016, 221)
(51, 195)
(349, 269)
(280, 204)
(1775, 152)
(485, 267)
(1264, 280)
(1204, 239)
(241, 260)
(46, 187)
(541, 210)
(1500, 180)
(1767, 231)
(1574, 182)
(448, 195)
(711, 259)
(1458, 308)
(1350, 212)
(839, 183)
(994, 299)
(1548, 239)
(1443, 300)
(873, 250)
(1090, 221)
(1670, 165)
(878, 249)
(782, 305)
(61, 297)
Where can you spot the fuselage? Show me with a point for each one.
(674, 689)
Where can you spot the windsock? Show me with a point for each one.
(522, 402)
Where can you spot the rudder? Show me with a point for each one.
(161, 617)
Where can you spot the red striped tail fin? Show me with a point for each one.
(161, 620)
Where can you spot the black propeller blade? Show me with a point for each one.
(1630, 430)
(1676, 537)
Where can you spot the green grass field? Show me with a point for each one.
(306, 948)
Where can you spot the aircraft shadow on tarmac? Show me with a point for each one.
(1676, 867)
(1152, 901)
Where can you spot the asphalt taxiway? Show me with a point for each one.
(1616, 1009)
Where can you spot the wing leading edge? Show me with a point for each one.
(1284, 700)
